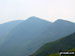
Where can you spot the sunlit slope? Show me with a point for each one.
(57, 54)
(65, 43)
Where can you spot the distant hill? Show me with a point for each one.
(28, 36)
(5, 28)
(65, 43)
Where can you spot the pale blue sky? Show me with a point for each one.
(46, 9)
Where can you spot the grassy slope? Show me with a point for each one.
(65, 43)
(58, 54)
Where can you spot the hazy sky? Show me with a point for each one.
(46, 9)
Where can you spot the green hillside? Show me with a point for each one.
(58, 54)
(65, 43)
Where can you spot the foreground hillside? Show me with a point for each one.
(65, 43)
(57, 54)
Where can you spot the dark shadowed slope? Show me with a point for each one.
(65, 43)
(31, 34)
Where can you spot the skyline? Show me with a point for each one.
(50, 10)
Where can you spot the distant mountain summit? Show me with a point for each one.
(60, 21)
(25, 38)
(35, 18)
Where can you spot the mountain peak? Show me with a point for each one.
(37, 19)
(33, 18)
(61, 21)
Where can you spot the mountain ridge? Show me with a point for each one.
(36, 18)
(31, 34)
